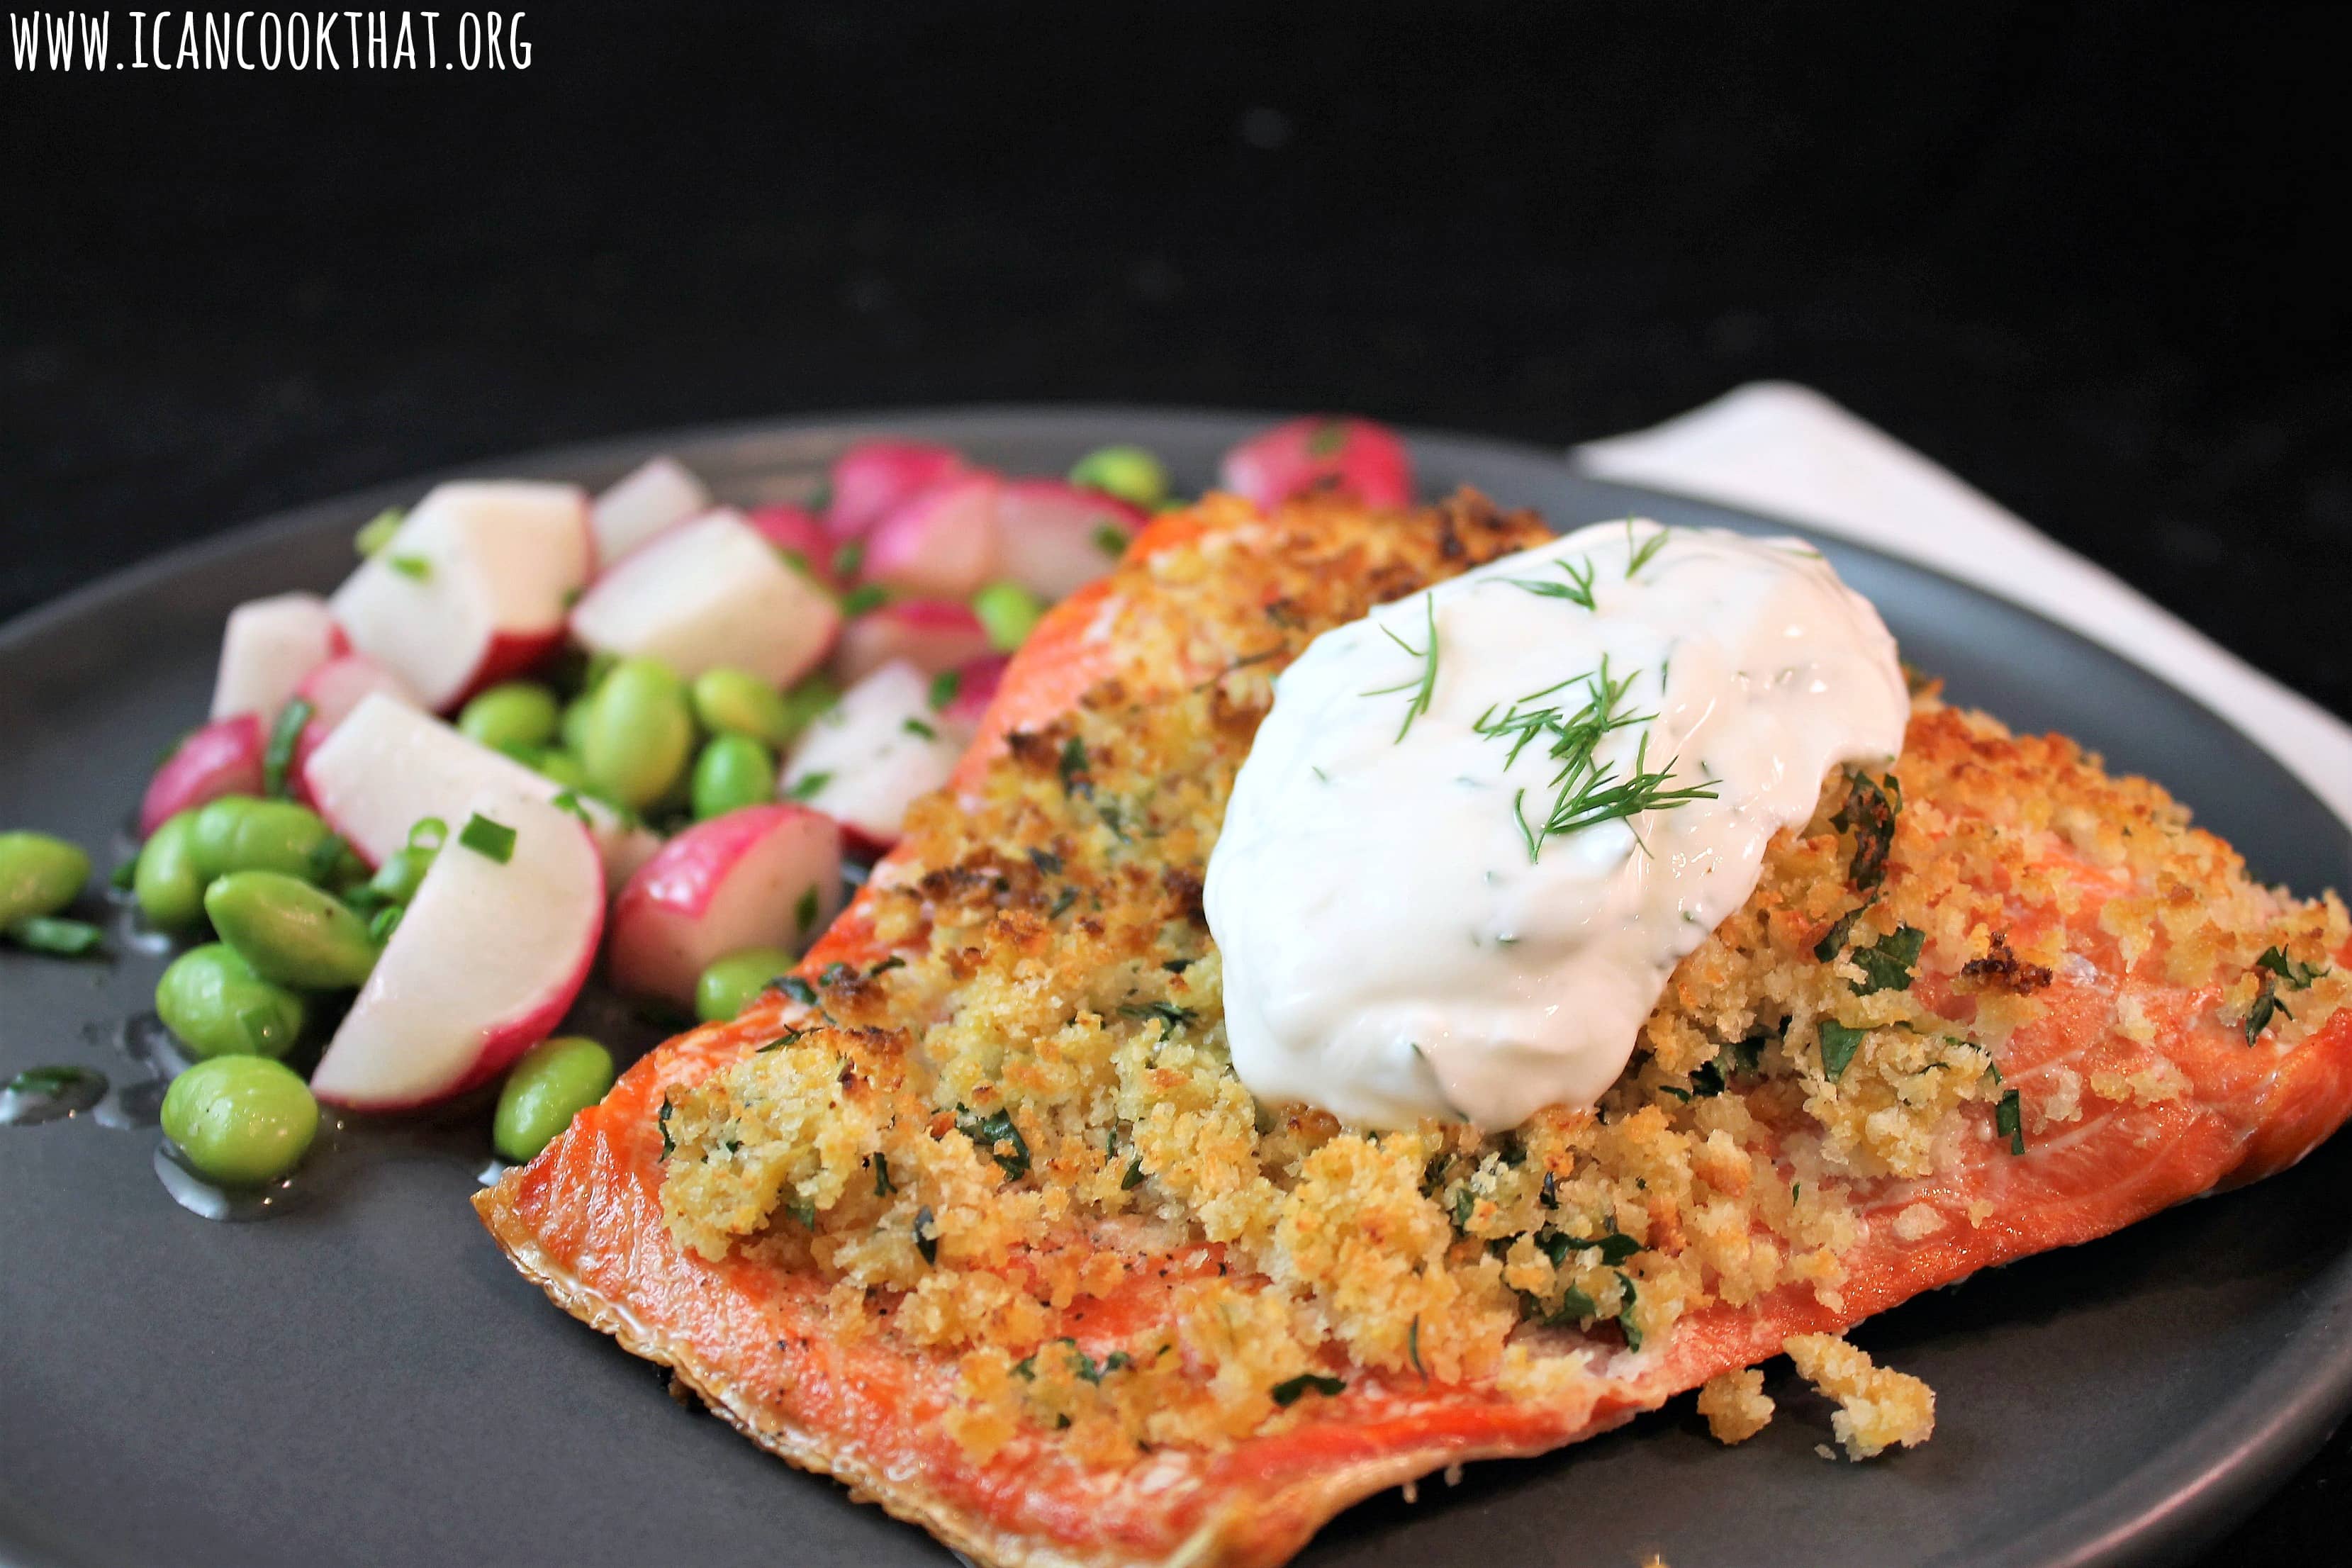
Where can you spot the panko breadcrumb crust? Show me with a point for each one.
(974, 1215)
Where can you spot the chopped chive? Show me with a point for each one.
(1111, 540)
(386, 921)
(858, 600)
(808, 786)
(56, 937)
(917, 727)
(430, 832)
(1290, 1390)
(2008, 1119)
(124, 876)
(944, 687)
(569, 800)
(378, 531)
(415, 568)
(278, 757)
(848, 559)
(804, 912)
(1838, 1044)
(491, 840)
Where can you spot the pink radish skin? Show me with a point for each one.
(874, 477)
(1322, 452)
(1054, 538)
(485, 964)
(933, 634)
(939, 544)
(976, 684)
(737, 881)
(222, 758)
(342, 683)
(797, 532)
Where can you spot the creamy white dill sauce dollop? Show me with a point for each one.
(1415, 922)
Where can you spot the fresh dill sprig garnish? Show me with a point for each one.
(1641, 553)
(1577, 590)
(1425, 688)
(1586, 789)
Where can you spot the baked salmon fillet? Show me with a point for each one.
(971, 1213)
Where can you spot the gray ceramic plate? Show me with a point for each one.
(364, 1380)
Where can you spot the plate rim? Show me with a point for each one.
(2180, 1497)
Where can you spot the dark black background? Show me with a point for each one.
(2082, 254)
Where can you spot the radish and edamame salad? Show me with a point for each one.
(538, 733)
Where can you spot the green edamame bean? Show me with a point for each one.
(555, 1081)
(241, 1120)
(737, 702)
(519, 714)
(1131, 473)
(1008, 612)
(38, 875)
(804, 702)
(169, 887)
(290, 932)
(403, 872)
(238, 832)
(572, 729)
(732, 983)
(215, 1004)
(733, 771)
(562, 766)
(639, 734)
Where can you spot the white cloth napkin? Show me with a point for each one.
(1788, 451)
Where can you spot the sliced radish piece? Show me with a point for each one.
(222, 758)
(344, 683)
(655, 496)
(710, 593)
(492, 951)
(796, 531)
(766, 875)
(975, 687)
(267, 648)
(874, 477)
(933, 634)
(473, 587)
(940, 544)
(1321, 452)
(866, 758)
(387, 767)
(1054, 538)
